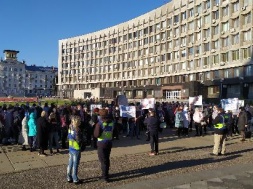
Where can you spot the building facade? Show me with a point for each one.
(183, 48)
(18, 79)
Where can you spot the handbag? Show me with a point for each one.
(247, 133)
(163, 125)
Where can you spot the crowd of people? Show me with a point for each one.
(76, 127)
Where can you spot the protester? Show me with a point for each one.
(186, 116)
(32, 131)
(23, 137)
(133, 128)
(93, 122)
(242, 122)
(153, 123)
(75, 141)
(9, 129)
(197, 118)
(179, 121)
(64, 127)
(53, 132)
(220, 132)
(229, 121)
(42, 133)
(103, 132)
(116, 116)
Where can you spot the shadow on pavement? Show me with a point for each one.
(181, 149)
(165, 167)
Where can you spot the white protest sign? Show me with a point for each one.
(195, 101)
(127, 111)
(93, 106)
(232, 104)
(147, 103)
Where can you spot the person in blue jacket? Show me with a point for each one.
(32, 131)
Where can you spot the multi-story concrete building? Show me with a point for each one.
(18, 79)
(183, 48)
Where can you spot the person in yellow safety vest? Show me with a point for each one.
(220, 132)
(75, 140)
(104, 132)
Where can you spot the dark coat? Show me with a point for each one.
(42, 132)
(242, 120)
(152, 124)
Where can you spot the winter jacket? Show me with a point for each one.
(242, 120)
(32, 130)
(23, 137)
(198, 116)
(187, 118)
(152, 124)
(179, 119)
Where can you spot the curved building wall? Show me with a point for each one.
(181, 49)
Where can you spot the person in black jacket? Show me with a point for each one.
(242, 122)
(103, 132)
(42, 133)
(116, 116)
(93, 122)
(153, 127)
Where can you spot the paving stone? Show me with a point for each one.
(199, 184)
(185, 186)
(229, 177)
(214, 180)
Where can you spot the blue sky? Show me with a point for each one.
(34, 27)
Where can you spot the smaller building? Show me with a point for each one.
(40, 81)
(17, 79)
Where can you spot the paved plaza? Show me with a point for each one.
(235, 172)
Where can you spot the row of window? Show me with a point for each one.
(224, 73)
(230, 56)
(233, 25)
(223, 41)
(210, 75)
(235, 6)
